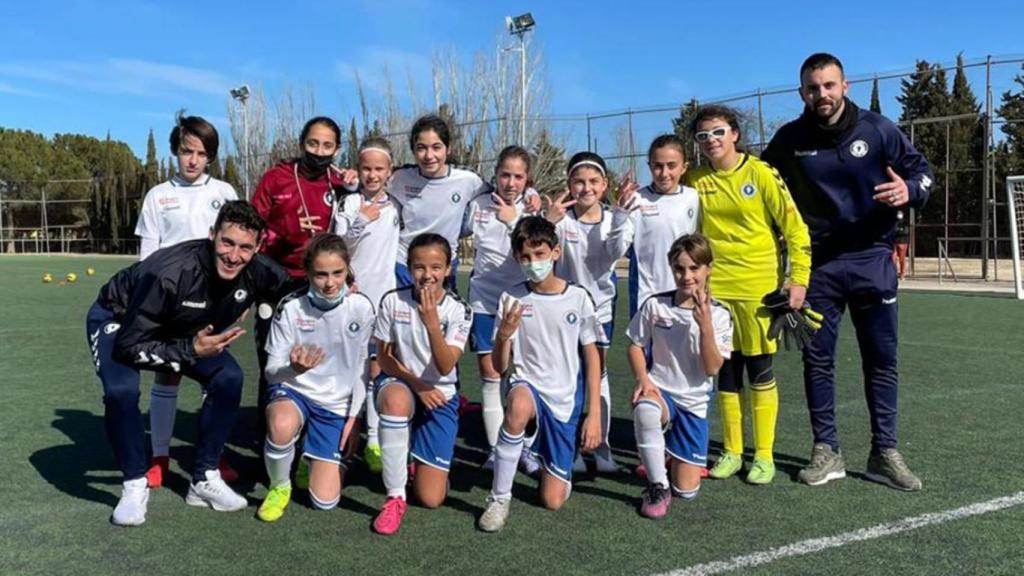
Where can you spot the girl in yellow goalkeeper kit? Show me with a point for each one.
(743, 202)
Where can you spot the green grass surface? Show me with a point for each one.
(961, 364)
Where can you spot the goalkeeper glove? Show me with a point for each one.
(796, 326)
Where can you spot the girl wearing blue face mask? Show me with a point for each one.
(317, 370)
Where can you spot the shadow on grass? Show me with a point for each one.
(73, 468)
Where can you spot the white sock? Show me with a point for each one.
(650, 440)
(394, 451)
(163, 407)
(686, 494)
(493, 414)
(605, 449)
(372, 418)
(278, 458)
(506, 458)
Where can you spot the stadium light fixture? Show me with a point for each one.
(242, 95)
(519, 26)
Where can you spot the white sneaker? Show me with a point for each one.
(579, 466)
(528, 463)
(489, 463)
(495, 515)
(213, 492)
(131, 508)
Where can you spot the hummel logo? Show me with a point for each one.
(190, 304)
(889, 300)
(802, 153)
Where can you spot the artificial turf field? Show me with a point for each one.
(961, 365)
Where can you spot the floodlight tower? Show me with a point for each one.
(519, 26)
(241, 94)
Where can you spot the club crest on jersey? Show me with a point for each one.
(690, 213)
(572, 318)
(353, 328)
(240, 295)
(748, 190)
(329, 198)
(859, 148)
(111, 328)
(215, 204)
(456, 197)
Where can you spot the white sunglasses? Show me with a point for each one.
(717, 134)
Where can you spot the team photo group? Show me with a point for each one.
(349, 277)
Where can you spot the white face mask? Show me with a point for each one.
(537, 271)
(323, 302)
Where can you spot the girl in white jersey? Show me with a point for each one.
(183, 208)
(690, 336)
(317, 371)
(368, 221)
(489, 220)
(432, 195)
(421, 332)
(664, 211)
(593, 239)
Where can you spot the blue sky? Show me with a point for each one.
(126, 66)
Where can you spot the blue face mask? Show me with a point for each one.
(537, 271)
(324, 303)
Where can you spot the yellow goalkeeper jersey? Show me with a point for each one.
(742, 210)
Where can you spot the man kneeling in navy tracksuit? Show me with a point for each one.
(175, 312)
(849, 171)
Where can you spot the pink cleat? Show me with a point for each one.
(390, 518)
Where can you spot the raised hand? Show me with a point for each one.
(427, 307)
(431, 397)
(207, 344)
(305, 358)
(504, 211)
(349, 177)
(371, 209)
(558, 207)
(626, 199)
(510, 320)
(309, 223)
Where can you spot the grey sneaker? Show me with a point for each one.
(825, 466)
(494, 516)
(888, 467)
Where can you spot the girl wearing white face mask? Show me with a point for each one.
(593, 237)
(317, 370)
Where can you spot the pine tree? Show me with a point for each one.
(213, 168)
(231, 175)
(966, 152)
(152, 168)
(1011, 155)
(550, 164)
(876, 104)
(353, 144)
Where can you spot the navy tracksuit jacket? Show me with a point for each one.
(831, 174)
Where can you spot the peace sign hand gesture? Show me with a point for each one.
(627, 193)
(504, 211)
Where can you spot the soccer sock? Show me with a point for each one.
(506, 458)
(278, 459)
(765, 399)
(732, 422)
(372, 418)
(605, 449)
(650, 440)
(685, 494)
(493, 414)
(163, 406)
(394, 450)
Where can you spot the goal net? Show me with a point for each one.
(1015, 199)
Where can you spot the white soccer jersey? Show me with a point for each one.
(545, 347)
(432, 204)
(398, 321)
(372, 245)
(176, 211)
(657, 221)
(343, 332)
(589, 254)
(674, 336)
(494, 266)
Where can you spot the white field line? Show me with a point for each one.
(819, 544)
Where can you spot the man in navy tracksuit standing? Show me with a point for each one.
(176, 312)
(849, 170)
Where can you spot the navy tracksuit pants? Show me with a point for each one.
(220, 376)
(866, 282)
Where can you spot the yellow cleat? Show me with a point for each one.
(274, 504)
